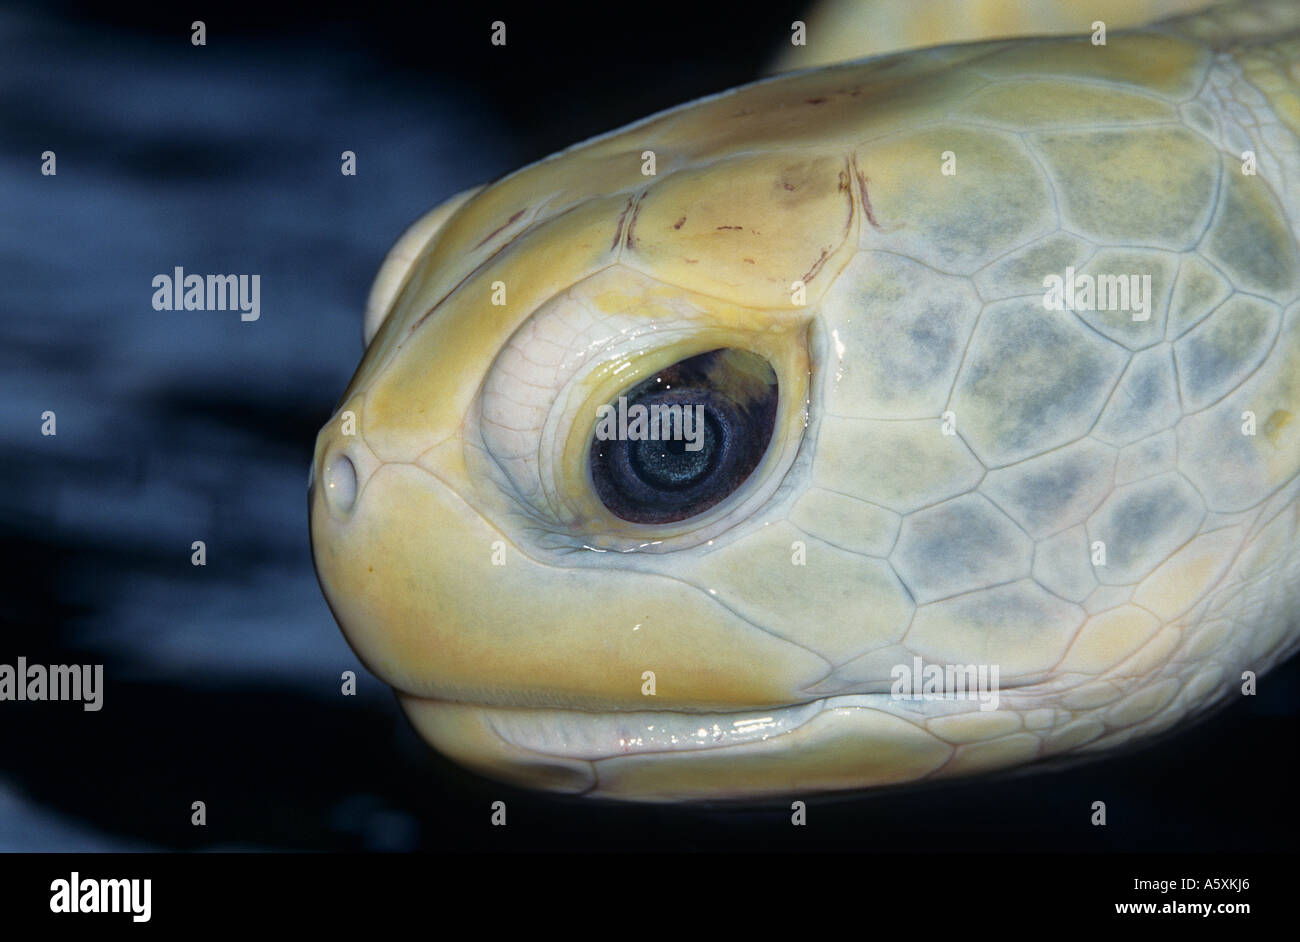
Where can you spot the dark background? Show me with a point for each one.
(222, 682)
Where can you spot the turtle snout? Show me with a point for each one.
(342, 465)
(346, 511)
(339, 483)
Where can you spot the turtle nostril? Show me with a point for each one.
(340, 480)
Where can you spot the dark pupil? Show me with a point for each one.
(705, 424)
(668, 465)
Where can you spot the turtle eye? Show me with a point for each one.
(629, 416)
(684, 439)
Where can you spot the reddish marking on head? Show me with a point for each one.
(632, 222)
(817, 266)
(509, 222)
(618, 229)
(678, 224)
(866, 199)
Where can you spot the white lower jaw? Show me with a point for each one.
(838, 742)
(573, 734)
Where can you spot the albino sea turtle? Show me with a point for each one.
(988, 360)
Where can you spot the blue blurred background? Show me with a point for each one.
(222, 682)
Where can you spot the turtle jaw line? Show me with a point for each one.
(591, 735)
(570, 733)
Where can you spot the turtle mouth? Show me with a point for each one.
(592, 736)
(574, 734)
(832, 742)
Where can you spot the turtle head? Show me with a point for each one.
(565, 419)
(679, 463)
